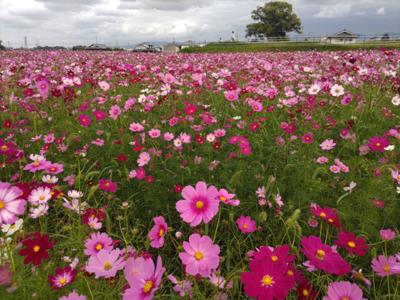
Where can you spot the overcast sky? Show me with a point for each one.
(123, 22)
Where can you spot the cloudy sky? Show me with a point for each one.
(127, 22)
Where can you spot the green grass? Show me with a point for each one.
(287, 46)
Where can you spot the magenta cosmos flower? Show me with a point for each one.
(157, 233)
(323, 257)
(225, 197)
(344, 290)
(97, 242)
(201, 256)
(268, 279)
(143, 277)
(107, 185)
(84, 120)
(105, 263)
(378, 144)
(199, 204)
(246, 224)
(11, 204)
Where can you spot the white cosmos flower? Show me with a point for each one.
(337, 90)
(49, 179)
(396, 100)
(10, 229)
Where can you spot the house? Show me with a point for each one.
(146, 47)
(172, 48)
(98, 47)
(342, 37)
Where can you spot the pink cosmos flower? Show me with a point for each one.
(387, 234)
(5, 275)
(84, 120)
(231, 95)
(199, 204)
(344, 290)
(73, 296)
(106, 263)
(105, 86)
(227, 198)
(334, 169)
(183, 287)
(97, 242)
(39, 163)
(107, 185)
(43, 88)
(143, 159)
(62, 277)
(157, 233)
(201, 256)
(246, 224)
(383, 266)
(54, 168)
(154, 133)
(114, 112)
(11, 203)
(136, 127)
(327, 145)
(143, 277)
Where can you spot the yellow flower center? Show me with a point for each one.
(330, 220)
(198, 255)
(378, 144)
(245, 226)
(267, 280)
(290, 273)
(41, 197)
(99, 247)
(107, 265)
(222, 198)
(148, 285)
(161, 232)
(199, 204)
(320, 254)
(351, 244)
(62, 281)
(36, 248)
(322, 215)
(274, 258)
(306, 293)
(36, 163)
(2, 204)
(386, 268)
(4, 147)
(345, 298)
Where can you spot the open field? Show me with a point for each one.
(289, 46)
(264, 175)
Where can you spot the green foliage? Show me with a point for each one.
(274, 19)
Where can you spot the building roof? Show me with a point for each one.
(344, 33)
(98, 46)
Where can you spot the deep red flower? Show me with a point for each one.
(353, 244)
(305, 291)
(36, 246)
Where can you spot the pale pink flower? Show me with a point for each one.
(106, 263)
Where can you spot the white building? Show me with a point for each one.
(342, 37)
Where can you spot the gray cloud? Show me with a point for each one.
(70, 22)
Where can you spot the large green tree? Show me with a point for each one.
(1, 46)
(274, 19)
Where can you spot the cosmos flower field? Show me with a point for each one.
(200, 176)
